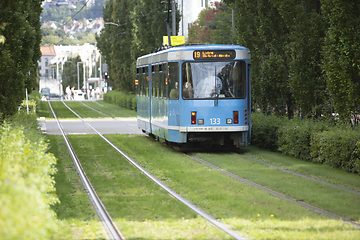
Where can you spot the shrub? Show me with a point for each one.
(31, 104)
(338, 147)
(26, 182)
(122, 99)
(307, 139)
(134, 103)
(295, 136)
(264, 130)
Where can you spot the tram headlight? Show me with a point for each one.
(229, 121)
(200, 121)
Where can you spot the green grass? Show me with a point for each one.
(141, 209)
(340, 202)
(250, 210)
(83, 111)
(112, 110)
(61, 111)
(319, 171)
(44, 110)
(77, 218)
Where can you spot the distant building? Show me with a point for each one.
(47, 53)
(47, 73)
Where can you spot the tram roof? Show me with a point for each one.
(171, 53)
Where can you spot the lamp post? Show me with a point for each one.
(78, 73)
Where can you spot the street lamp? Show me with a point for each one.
(78, 73)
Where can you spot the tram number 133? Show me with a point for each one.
(215, 121)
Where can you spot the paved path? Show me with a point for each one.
(104, 126)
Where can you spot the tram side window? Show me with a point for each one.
(187, 82)
(173, 80)
(153, 79)
(142, 79)
(145, 87)
(139, 82)
(160, 76)
(164, 81)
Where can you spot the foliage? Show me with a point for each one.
(264, 130)
(294, 137)
(342, 55)
(115, 41)
(26, 182)
(122, 99)
(58, 13)
(213, 25)
(285, 39)
(20, 26)
(338, 148)
(312, 140)
(137, 28)
(55, 37)
(70, 75)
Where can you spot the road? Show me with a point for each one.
(104, 126)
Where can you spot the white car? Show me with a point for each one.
(79, 95)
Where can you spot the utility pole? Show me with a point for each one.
(173, 19)
(168, 23)
(78, 73)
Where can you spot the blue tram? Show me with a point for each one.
(199, 93)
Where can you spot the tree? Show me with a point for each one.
(342, 55)
(285, 39)
(213, 25)
(133, 28)
(69, 74)
(20, 26)
(115, 43)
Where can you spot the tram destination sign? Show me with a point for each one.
(214, 54)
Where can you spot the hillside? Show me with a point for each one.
(70, 22)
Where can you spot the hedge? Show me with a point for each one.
(264, 130)
(310, 140)
(294, 137)
(122, 99)
(26, 182)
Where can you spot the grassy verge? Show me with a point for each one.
(112, 110)
(44, 110)
(319, 171)
(61, 111)
(341, 202)
(75, 213)
(252, 211)
(141, 209)
(84, 111)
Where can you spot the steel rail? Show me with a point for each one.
(277, 194)
(211, 219)
(110, 227)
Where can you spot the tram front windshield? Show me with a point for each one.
(204, 80)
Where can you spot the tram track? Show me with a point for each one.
(277, 194)
(109, 226)
(172, 193)
(272, 192)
